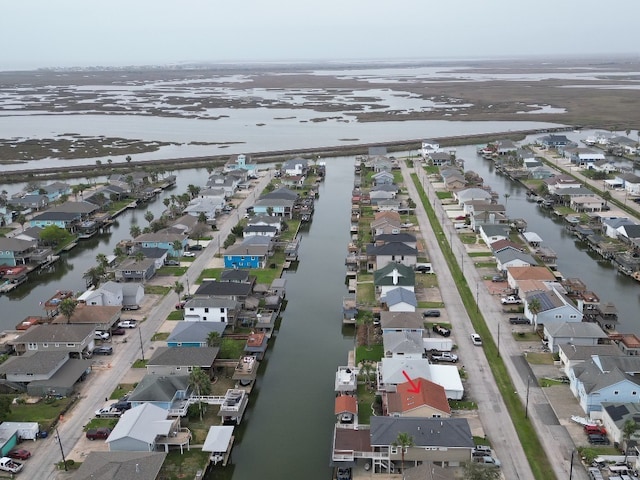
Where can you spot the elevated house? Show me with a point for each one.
(399, 300)
(492, 233)
(401, 322)
(583, 157)
(73, 340)
(164, 391)
(182, 361)
(558, 182)
(555, 309)
(295, 166)
(382, 255)
(101, 317)
(430, 400)
(553, 141)
(383, 177)
(404, 237)
(429, 146)
(571, 354)
(390, 374)
(405, 344)
(240, 161)
(576, 333)
(164, 240)
(252, 252)
(509, 257)
(194, 334)
(139, 465)
(132, 270)
(211, 309)
(231, 290)
(29, 203)
(16, 252)
(393, 275)
(440, 158)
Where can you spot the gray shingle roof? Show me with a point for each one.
(224, 289)
(110, 465)
(189, 332)
(37, 363)
(61, 332)
(426, 432)
(157, 388)
(192, 357)
(400, 295)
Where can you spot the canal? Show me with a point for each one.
(575, 259)
(288, 427)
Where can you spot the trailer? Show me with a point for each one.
(437, 344)
(26, 430)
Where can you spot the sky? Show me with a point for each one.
(67, 33)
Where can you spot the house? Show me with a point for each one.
(500, 245)
(379, 256)
(346, 380)
(211, 309)
(553, 141)
(611, 225)
(218, 443)
(583, 157)
(260, 230)
(386, 223)
(561, 182)
(67, 338)
(605, 166)
(614, 417)
(575, 333)
(605, 379)
(43, 372)
(455, 182)
(401, 321)
(628, 343)
(182, 361)
(383, 178)
(532, 238)
(518, 274)
(159, 255)
(132, 270)
(210, 206)
(392, 205)
(101, 317)
(447, 441)
(630, 182)
(429, 146)
(540, 173)
(232, 290)
(193, 334)
(256, 345)
(15, 252)
(471, 194)
(492, 233)
(405, 344)
(376, 196)
(346, 405)
(280, 207)
(146, 428)
(253, 252)
(164, 240)
(555, 309)
(29, 202)
(404, 237)
(240, 162)
(393, 275)
(391, 373)
(627, 145)
(114, 294)
(235, 275)
(227, 183)
(571, 354)
(509, 257)
(102, 465)
(166, 392)
(430, 400)
(440, 158)
(380, 164)
(265, 220)
(295, 166)
(400, 300)
(586, 203)
(53, 191)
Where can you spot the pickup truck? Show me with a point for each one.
(98, 433)
(519, 321)
(9, 465)
(127, 324)
(108, 412)
(444, 357)
(510, 300)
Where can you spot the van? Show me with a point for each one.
(595, 439)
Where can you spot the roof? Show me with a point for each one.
(401, 320)
(213, 287)
(391, 248)
(16, 244)
(157, 388)
(235, 275)
(218, 439)
(430, 394)
(394, 274)
(494, 230)
(396, 237)
(532, 237)
(400, 295)
(577, 330)
(622, 412)
(36, 363)
(91, 314)
(143, 422)
(62, 332)
(192, 357)
(194, 332)
(505, 243)
(154, 252)
(110, 465)
(426, 432)
(584, 352)
(211, 302)
(531, 273)
(159, 237)
(404, 342)
(509, 254)
(346, 404)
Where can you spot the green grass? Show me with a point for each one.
(156, 290)
(119, 205)
(538, 462)
(188, 259)
(231, 349)
(561, 210)
(365, 399)
(430, 304)
(45, 412)
(536, 358)
(468, 238)
(431, 169)
(179, 466)
(139, 363)
(372, 353)
(160, 336)
(427, 281)
(463, 405)
(5, 230)
(171, 271)
(486, 264)
(525, 336)
(444, 195)
(176, 315)
(100, 422)
(548, 382)
(122, 390)
(365, 294)
(480, 254)
(210, 273)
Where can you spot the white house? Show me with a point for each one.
(400, 300)
(114, 294)
(210, 309)
(429, 147)
(555, 309)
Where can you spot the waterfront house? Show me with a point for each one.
(447, 441)
(571, 354)
(470, 195)
(65, 220)
(586, 203)
(625, 144)
(440, 158)
(393, 275)
(235, 275)
(159, 255)
(163, 239)
(138, 465)
(553, 141)
(163, 391)
(346, 406)
(540, 172)
(630, 183)
(346, 380)
(474, 207)
(430, 400)
(145, 428)
(380, 163)
(101, 317)
(510, 257)
(392, 205)
(256, 345)
(210, 206)
(576, 333)
(182, 361)
(492, 233)
(605, 379)
(15, 252)
(383, 177)
(53, 191)
(614, 417)
(487, 218)
(259, 230)
(500, 245)
(380, 255)
(405, 344)
(132, 270)
(193, 334)
(560, 182)
(295, 166)
(628, 343)
(611, 226)
(401, 321)
(555, 308)
(532, 239)
(232, 290)
(41, 373)
(253, 252)
(211, 309)
(227, 183)
(429, 146)
(265, 220)
(29, 202)
(214, 192)
(583, 157)
(406, 238)
(378, 195)
(391, 373)
(114, 293)
(454, 182)
(605, 166)
(386, 223)
(31, 234)
(274, 206)
(519, 274)
(67, 338)
(240, 162)
(185, 224)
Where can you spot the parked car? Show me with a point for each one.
(344, 473)
(188, 254)
(487, 460)
(519, 321)
(101, 433)
(444, 357)
(476, 340)
(103, 351)
(127, 324)
(597, 439)
(595, 430)
(497, 278)
(195, 247)
(122, 405)
(108, 412)
(445, 332)
(19, 454)
(172, 263)
(118, 331)
(431, 313)
(511, 300)
(100, 335)
(180, 305)
(423, 268)
(346, 417)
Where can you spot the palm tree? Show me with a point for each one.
(404, 441)
(134, 231)
(148, 216)
(139, 256)
(92, 276)
(506, 198)
(128, 158)
(534, 307)
(366, 370)
(366, 319)
(101, 258)
(177, 247)
(178, 288)
(193, 190)
(606, 196)
(200, 382)
(214, 339)
(628, 430)
(167, 202)
(67, 307)
(21, 219)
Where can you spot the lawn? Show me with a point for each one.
(463, 405)
(536, 358)
(372, 353)
(156, 290)
(427, 281)
(365, 294)
(160, 336)
(45, 412)
(366, 399)
(4, 231)
(231, 349)
(430, 305)
(486, 264)
(468, 238)
(176, 315)
(171, 271)
(119, 205)
(481, 254)
(444, 195)
(139, 363)
(179, 466)
(526, 336)
(210, 273)
(122, 390)
(100, 422)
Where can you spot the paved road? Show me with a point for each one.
(494, 416)
(102, 382)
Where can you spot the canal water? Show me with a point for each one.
(575, 259)
(287, 430)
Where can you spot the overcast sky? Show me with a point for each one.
(45, 33)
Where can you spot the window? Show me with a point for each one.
(394, 450)
(204, 319)
(634, 393)
(206, 309)
(45, 345)
(71, 345)
(32, 346)
(573, 316)
(616, 392)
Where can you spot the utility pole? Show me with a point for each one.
(526, 405)
(64, 461)
(141, 347)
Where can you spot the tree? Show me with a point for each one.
(214, 339)
(178, 287)
(630, 427)
(177, 247)
(366, 369)
(506, 198)
(606, 196)
(118, 252)
(202, 218)
(477, 471)
(193, 190)
(139, 256)
(98, 163)
(535, 307)
(366, 320)
(92, 276)
(101, 258)
(5, 407)
(148, 216)
(134, 231)
(21, 219)
(128, 158)
(200, 381)
(109, 161)
(404, 441)
(54, 235)
(167, 202)
(67, 307)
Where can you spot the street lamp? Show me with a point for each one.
(64, 461)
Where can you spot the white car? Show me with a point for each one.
(100, 335)
(188, 254)
(511, 300)
(127, 324)
(475, 338)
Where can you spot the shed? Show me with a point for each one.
(218, 442)
(26, 430)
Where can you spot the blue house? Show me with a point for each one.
(14, 252)
(554, 141)
(162, 239)
(193, 334)
(238, 162)
(168, 392)
(66, 220)
(53, 191)
(253, 252)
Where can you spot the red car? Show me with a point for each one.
(19, 454)
(98, 433)
(118, 331)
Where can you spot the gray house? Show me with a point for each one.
(405, 344)
(576, 333)
(68, 338)
(181, 361)
(139, 271)
(193, 334)
(138, 465)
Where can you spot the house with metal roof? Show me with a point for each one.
(406, 344)
(575, 333)
(393, 275)
(400, 299)
(571, 354)
(181, 361)
(401, 321)
(107, 465)
(66, 338)
(492, 233)
(218, 443)
(614, 417)
(193, 334)
(555, 308)
(510, 257)
(379, 256)
(391, 373)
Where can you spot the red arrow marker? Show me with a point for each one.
(415, 388)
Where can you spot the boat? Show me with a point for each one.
(28, 322)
